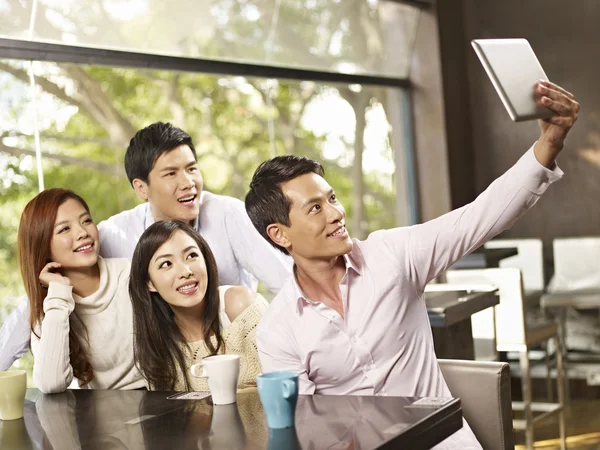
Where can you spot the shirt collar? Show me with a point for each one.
(149, 218)
(302, 298)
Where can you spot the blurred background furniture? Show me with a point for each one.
(530, 260)
(484, 392)
(573, 293)
(485, 257)
(450, 311)
(513, 334)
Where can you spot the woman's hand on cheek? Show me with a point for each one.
(49, 274)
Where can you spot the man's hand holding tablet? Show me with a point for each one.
(527, 94)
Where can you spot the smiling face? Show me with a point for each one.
(318, 220)
(174, 186)
(177, 271)
(74, 237)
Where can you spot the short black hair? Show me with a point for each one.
(148, 144)
(265, 202)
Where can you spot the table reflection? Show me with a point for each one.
(139, 419)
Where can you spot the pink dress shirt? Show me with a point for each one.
(384, 344)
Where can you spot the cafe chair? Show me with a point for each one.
(574, 287)
(484, 392)
(513, 334)
(575, 264)
(531, 262)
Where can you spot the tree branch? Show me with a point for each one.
(45, 84)
(89, 98)
(109, 169)
(99, 106)
(63, 138)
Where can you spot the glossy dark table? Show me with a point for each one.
(450, 318)
(485, 257)
(82, 419)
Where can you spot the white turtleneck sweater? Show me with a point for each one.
(107, 316)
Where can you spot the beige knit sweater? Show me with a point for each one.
(240, 339)
(108, 318)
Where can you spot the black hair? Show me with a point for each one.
(156, 337)
(265, 202)
(148, 144)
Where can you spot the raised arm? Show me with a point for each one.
(14, 335)
(424, 251)
(52, 371)
(254, 253)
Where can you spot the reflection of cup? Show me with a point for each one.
(13, 434)
(222, 372)
(226, 428)
(283, 438)
(278, 393)
(13, 385)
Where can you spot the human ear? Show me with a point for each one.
(141, 189)
(151, 287)
(277, 234)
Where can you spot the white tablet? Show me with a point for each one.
(514, 70)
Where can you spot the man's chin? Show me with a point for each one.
(342, 248)
(349, 246)
(189, 216)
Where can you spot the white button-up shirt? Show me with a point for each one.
(241, 253)
(384, 343)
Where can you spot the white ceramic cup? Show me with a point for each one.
(13, 386)
(222, 372)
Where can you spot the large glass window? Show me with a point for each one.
(87, 114)
(69, 124)
(350, 36)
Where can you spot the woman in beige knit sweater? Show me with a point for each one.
(80, 311)
(182, 315)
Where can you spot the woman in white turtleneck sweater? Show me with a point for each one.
(81, 316)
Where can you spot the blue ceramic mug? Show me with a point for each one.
(283, 438)
(278, 392)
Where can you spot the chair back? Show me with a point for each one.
(576, 264)
(509, 313)
(484, 392)
(530, 260)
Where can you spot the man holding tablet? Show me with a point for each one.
(352, 320)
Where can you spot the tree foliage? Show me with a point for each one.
(87, 114)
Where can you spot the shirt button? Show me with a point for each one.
(545, 180)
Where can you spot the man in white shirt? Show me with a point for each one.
(162, 166)
(352, 320)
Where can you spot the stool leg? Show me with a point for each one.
(527, 399)
(549, 388)
(562, 340)
(561, 381)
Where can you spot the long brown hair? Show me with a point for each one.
(157, 339)
(34, 239)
